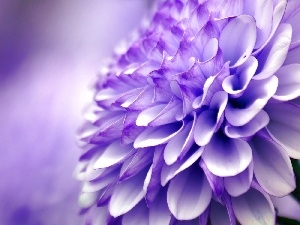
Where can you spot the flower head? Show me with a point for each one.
(196, 120)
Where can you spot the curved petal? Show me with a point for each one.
(129, 192)
(289, 82)
(109, 176)
(241, 110)
(277, 14)
(272, 167)
(148, 115)
(284, 127)
(252, 208)
(236, 84)
(154, 136)
(169, 172)
(189, 194)
(137, 216)
(257, 123)
(208, 120)
(159, 212)
(262, 11)
(218, 214)
(137, 162)
(86, 200)
(273, 55)
(182, 142)
(113, 154)
(226, 157)
(152, 184)
(240, 183)
(237, 39)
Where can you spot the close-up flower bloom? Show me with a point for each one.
(196, 119)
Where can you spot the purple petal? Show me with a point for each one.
(226, 8)
(236, 84)
(152, 182)
(169, 172)
(226, 157)
(113, 154)
(284, 127)
(218, 214)
(277, 14)
(251, 102)
(154, 136)
(253, 208)
(168, 114)
(199, 17)
(138, 161)
(237, 40)
(129, 192)
(273, 55)
(188, 194)
(203, 218)
(159, 212)
(130, 130)
(182, 142)
(289, 82)
(216, 183)
(272, 167)
(262, 11)
(240, 183)
(86, 200)
(208, 120)
(137, 216)
(257, 123)
(148, 115)
(292, 8)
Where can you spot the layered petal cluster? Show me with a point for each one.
(195, 121)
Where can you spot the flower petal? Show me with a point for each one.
(189, 194)
(154, 136)
(138, 161)
(226, 157)
(273, 55)
(148, 115)
(236, 84)
(257, 123)
(129, 192)
(289, 82)
(262, 11)
(284, 127)
(240, 183)
(218, 214)
(159, 212)
(252, 208)
(113, 154)
(137, 216)
(181, 142)
(237, 39)
(208, 120)
(272, 167)
(241, 110)
(169, 172)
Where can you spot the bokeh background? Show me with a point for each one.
(50, 53)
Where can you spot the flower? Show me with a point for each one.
(195, 121)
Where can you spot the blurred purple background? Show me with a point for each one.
(50, 52)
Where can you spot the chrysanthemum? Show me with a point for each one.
(195, 122)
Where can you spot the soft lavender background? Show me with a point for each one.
(50, 52)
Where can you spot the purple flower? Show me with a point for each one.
(195, 121)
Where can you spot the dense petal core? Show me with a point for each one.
(195, 120)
